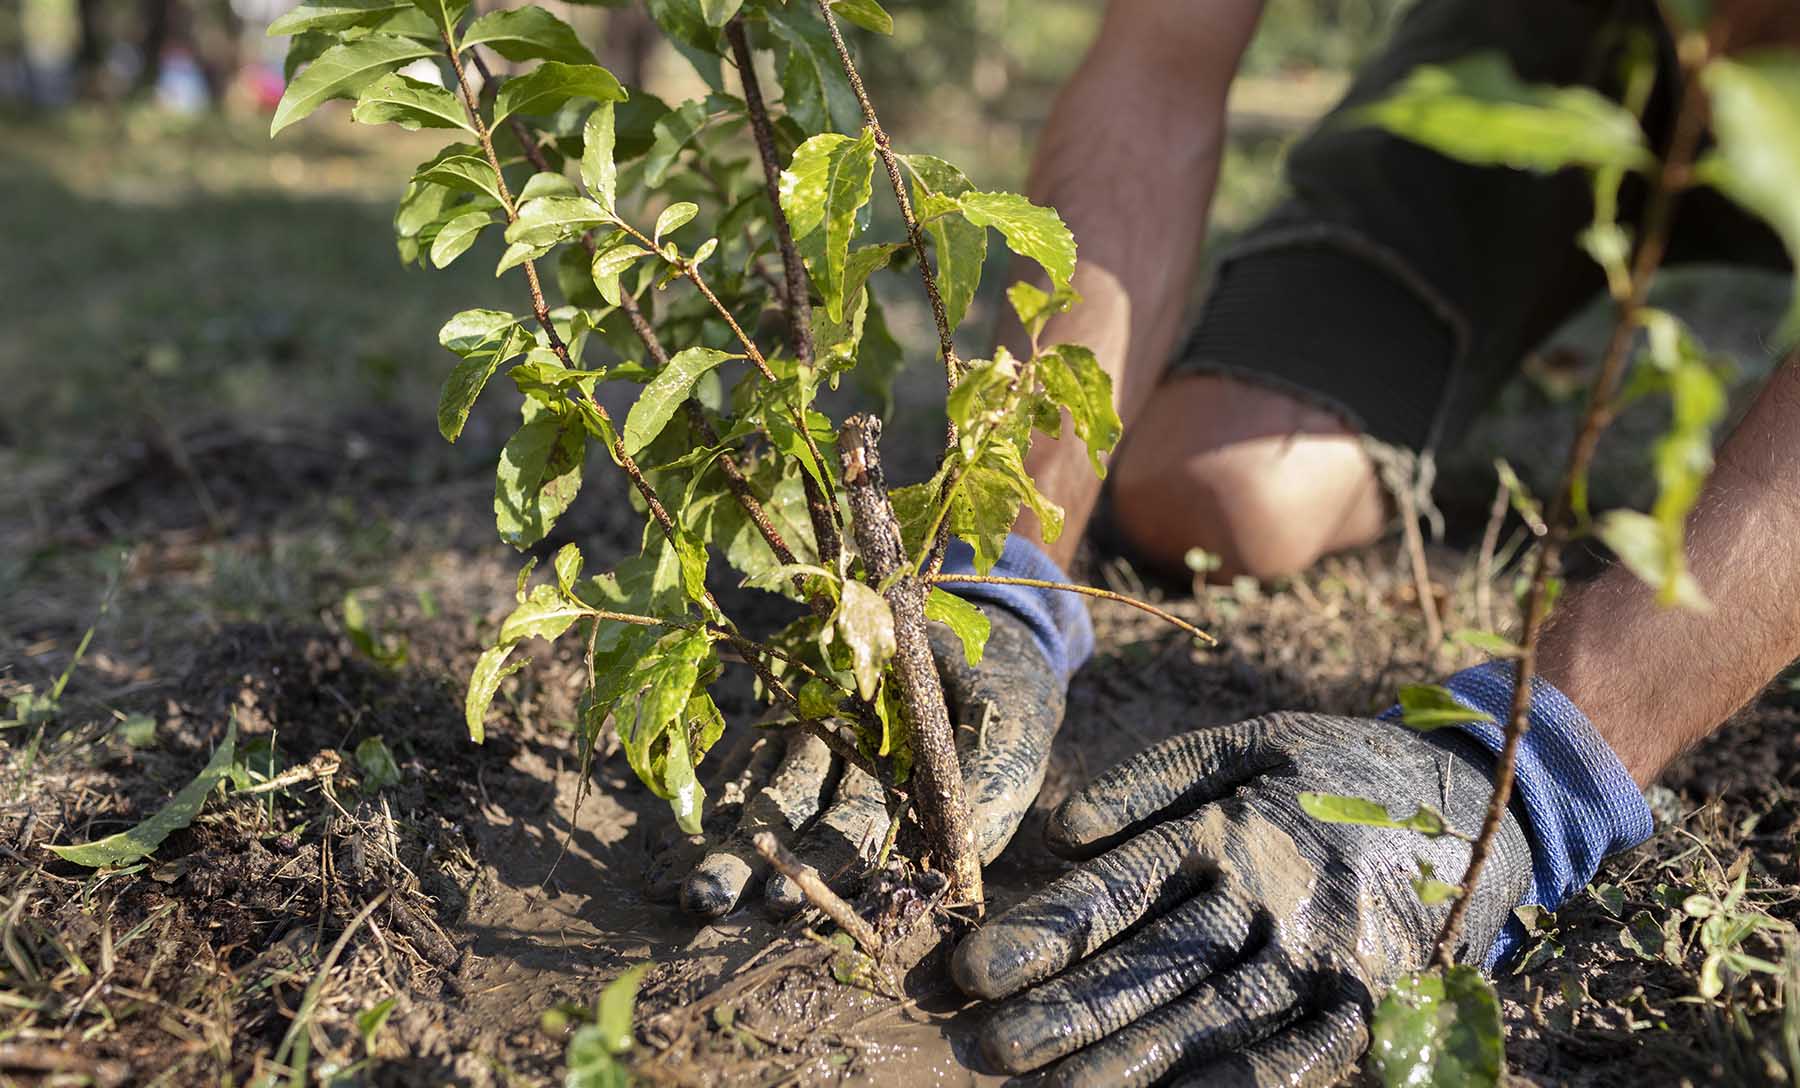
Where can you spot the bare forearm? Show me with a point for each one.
(1129, 156)
(1655, 680)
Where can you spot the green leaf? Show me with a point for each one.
(1035, 306)
(673, 130)
(485, 339)
(376, 763)
(545, 88)
(1029, 230)
(599, 170)
(719, 12)
(410, 103)
(967, 621)
(1756, 119)
(828, 180)
(546, 613)
(1476, 110)
(549, 220)
(370, 1021)
(609, 264)
(455, 237)
(612, 1016)
(814, 90)
(334, 15)
(657, 403)
(1333, 808)
(527, 33)
(1074, 380)
(865, 13)
(342, 72)
(819, 700)
(1428, 706)
(538, 477)
(1431, 891)
(1487, 642)
(673, 218)
(1439, 1030)
(835, 343)
(1655, 555)
(959, 246)
(444, 14)
(142, 840)
(464, 172)
(484, 680)
(866, 624)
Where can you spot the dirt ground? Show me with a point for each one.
(445, 915)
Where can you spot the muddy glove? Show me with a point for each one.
(1006, 711)
(1261, 938)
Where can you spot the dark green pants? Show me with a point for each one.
(1400, 288)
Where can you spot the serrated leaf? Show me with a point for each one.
(549, 220)
(455, 237)
(1075, 381)
(527, 33)
(828, 180)
(545, 88)
(969, 623)
(959, 246)
(865, 13)
(673, 218)
(1030, 231)
(657, 403)
(342, 72)
(1755, 103)
(1439, 1030)
(410, 103)
(599, 170)
(1429, 706)
(141, 840)
(538, 477)
(866, 624)
(1476, 110)
(315, 15)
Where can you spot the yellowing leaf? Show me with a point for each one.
(866, 624)
(142, 840)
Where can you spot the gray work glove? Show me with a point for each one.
(1006, 711)
(1262, 937)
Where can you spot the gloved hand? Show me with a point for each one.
(1263, 937)
(1006, 711)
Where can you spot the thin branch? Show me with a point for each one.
(1484, 566)
(1683, 145)
(1067, 587)
(816, 892)
(952, 365)
(796, 299)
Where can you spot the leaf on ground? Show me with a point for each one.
(142, 840)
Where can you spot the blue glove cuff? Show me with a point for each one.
(1057, 619)
(1580, 803)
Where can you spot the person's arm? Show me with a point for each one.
(1129, 156)
(1654, 680)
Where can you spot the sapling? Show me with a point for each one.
(762, 210)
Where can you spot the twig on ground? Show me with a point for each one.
(818, 894)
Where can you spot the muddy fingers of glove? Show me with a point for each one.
(1164, 781)
(787, 797)
(740, 772)
(839, 844)
(1082, 910)
(1150, 969)
(1225, 1013)
(1314, 1053)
